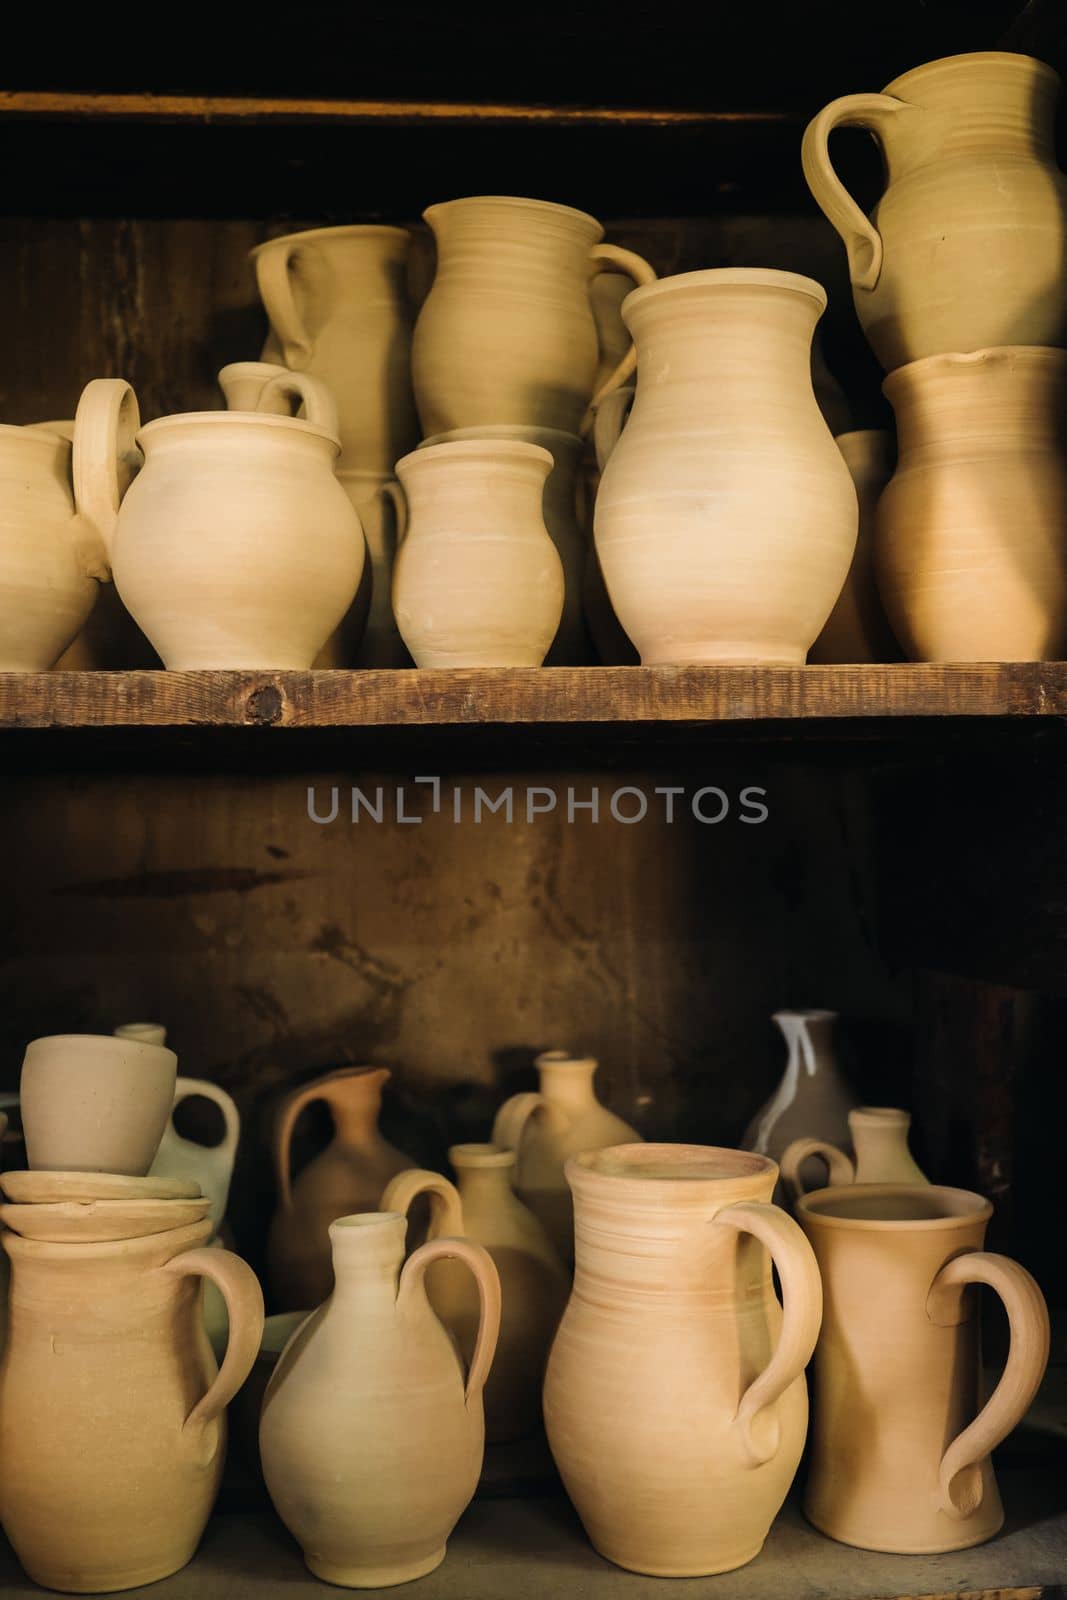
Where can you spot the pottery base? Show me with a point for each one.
(731, 653)
(704, 1570)
(967, 1540)
(108, 1582)
(373, 1577)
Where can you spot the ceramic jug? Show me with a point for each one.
(478, 581)
(533, 1281)
(880, 1142)
(94, 1103)
(812, 1099)
(561, 1119)
(857, 628)
(900, 1438)
(966, 246)
(349, 1175)
(371, 1436)
(726, 516)
(507, 333)
(964, 574)
(675, 1401)
(112, 1411)
(339, 309)
(211, 1166)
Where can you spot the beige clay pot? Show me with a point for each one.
(857, 629)
(900, 1440)
(879, 1142)
(94, 1103)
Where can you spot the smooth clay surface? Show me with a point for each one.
(94, 1103)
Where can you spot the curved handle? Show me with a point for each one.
(283, 1134)
(105, 460)
(486, 1277)
(510, 1121)
(609, 419)
(839, 1169)
(632, 266)
(801, 1284)
(394, 493)
(187, 1088)
(960, 1473)
(446, 1215)
(240, 1289)
(276, 292)
(242, 384)
(319, 405)
(862, 240)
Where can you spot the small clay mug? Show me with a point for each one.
(95, 1103)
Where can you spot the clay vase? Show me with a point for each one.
(900, 1438)
(563, 1118)
(726, 517)
(857, 629)
(534, 1284)
(506, 333)
(675, 1401)
(339, 309)
(879, 1141)
(349, 1175)
(478, 581)
(965, 248)
(972, 527)
(112, 1411)
(812, 1099)
(371, 1438)
(94, 1103)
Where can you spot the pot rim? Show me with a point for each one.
(98, 1041)
(365, 230)
(474, 1155)
(258, 419)
(886, 1116)
(552, 206)
(621, 1164)
(978, 1208)
(715, 277)
(499, 430)
(970, 58)
(495, 450)
(36, 431)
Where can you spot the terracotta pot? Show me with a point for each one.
(211, 1166)
(675, 1401)
(857, 628)
(900, 1440)
(339, 309)
(726, 517)
(966, 246)
(880, 1142)
(349, 1175)
(965, 576)
(506, 333)
(478, 582)
(533, 1281)
(110, 1457)
(812, 1100)
(562, 1119)
(370, 1439)
(94, 1103)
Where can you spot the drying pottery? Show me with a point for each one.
(726, 517)
(371, 1437)
(965, 248)
(964, 575)
(812, 1099)
(112, 1331)
(607, 291)
(147, 1032)
(243, 382)
(47, 1188)
(338, 305)
(880, 1142)
(244, 1413)
(900, 1439)
(533, 1281)
(94, 1103)
(349, 1175)
(209, 1166)
(97, 1221)
(507, 333)
(857, 629)
(561, 1119)
(675, 1401)
(478, 581)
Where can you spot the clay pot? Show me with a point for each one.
(94, 1103)
(478, 582)
(726, 517)
(349, 1175)
(965, 248)
(880, 1142)
(210, 1166)
(562, 1119)
(110, 1458)
(857, 629)
(972, 527)
(900, 1440)
(533, 1281)
(675, 1402)
(506, 333)
(339, 309)
(370, 1439)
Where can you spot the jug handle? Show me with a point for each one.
(801, 1284)
(483, 1269)
(284, 1133)
(105, 460)
(609, 419)
(862, 240)
(394, 493)
(276, 292)
(613, 257)
(510, 1121)
(320, 408)
(188, 1089)
(446, 1215)
(960, 1472)
(839, 1169)
(240, 1289)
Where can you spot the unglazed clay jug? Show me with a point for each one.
(966, 246)
(507, 332)
(371, 1436)
(857, 628)
(900, 1438)
(972, 527)
(478, 581)
(112, 1411)
(562, 1119)
(533, 1281)
(880, 1142)
(94, 1103)
(812, 1099)
(726, 517)
(338, 305)
(211, 1166)
(675, 1401)
(349, 1175)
